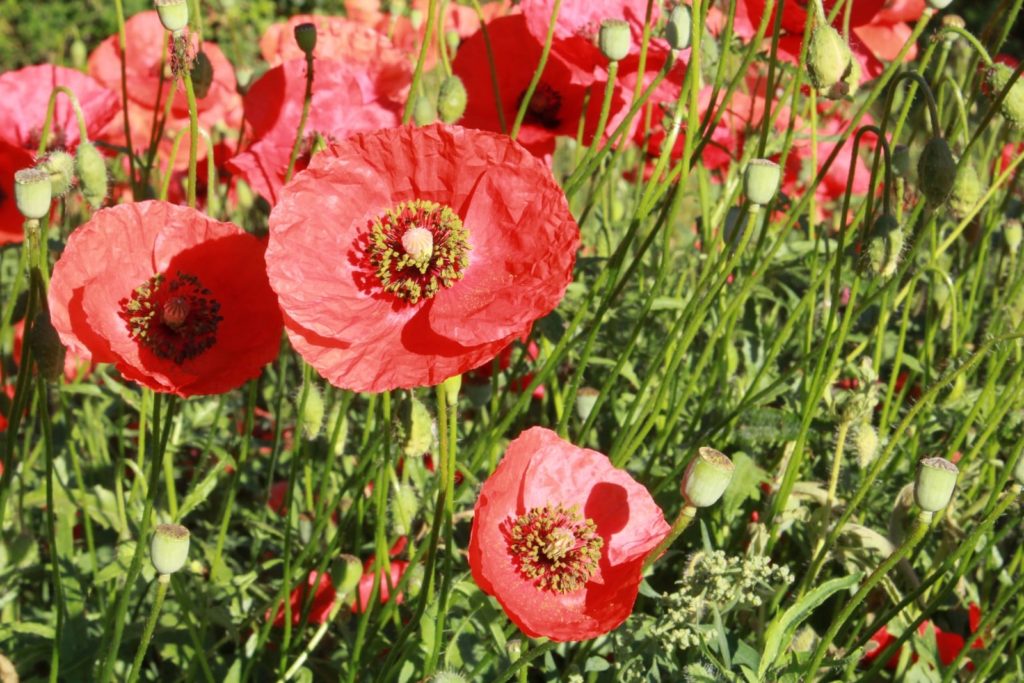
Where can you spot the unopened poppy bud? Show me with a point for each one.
(305, 36)
(405, 505)
(451, 99)
(1012, 107)
(346, 571)
(451, 388)
(706, 478)
(452, 39)
(169, 548)
(514, 649)
(173, 14)
(967, 191)
(79, 53)
(866, 443)
(936, 170)
(613, 39)
(47, 350)
(586, 399)
(1013, 232)
(312, 417)
(901, 165)
(828, 57)
(885, 246)
(761, 180)
(936, 479)
(202, 75)
(419, 429)
(423, 111)
(32, 192)
(61, 167)
(953, 21)
(678, 30)
(939, 4)
(447, 677)
(92, 174)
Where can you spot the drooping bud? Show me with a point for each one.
(828, 57)
(202, 75)
(678, 30)
(586, 399)
(451, 99)
(312, 417)
(706, 478)
(169, 548)
(1012, 107)
(936, 479)
(47, 350)
(1013, 232)
(613, 39)
(761, 180)
(305, 36)
(885, 246)
(936, 170)
(61, 167)
(32, 192)
(423, 111)
(451, 388)
(173, 14)
(967, 191)
(92, 174)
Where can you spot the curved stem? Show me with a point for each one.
(44, 137)
(969, 37)
(686, 515)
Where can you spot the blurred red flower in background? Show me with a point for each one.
(323, 599)
(13, 158)
(949, 644)
(559, 537)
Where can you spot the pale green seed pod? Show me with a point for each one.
(202, 75)
(79, 54)
(936, 170)
(173, 14)
(966, 193)
(885, 246)
(613, 39)
(828, 57)
(92, 174)
(424, 112)
(451, 388)
(61, 167)
(936, 480)
(47, 349)
(706, 478)
(679, 29)
(169, 548)
(1012, 107)
(346, 570)
(451, 99)
(1013, 233)
(761, 180)
(312, 417)
(32, 192)
(305, 37)
(586, 399)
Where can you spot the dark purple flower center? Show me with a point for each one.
(544, 107)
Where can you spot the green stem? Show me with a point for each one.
(193, 134)
(51, 529)
(686, 515)
(417, 74)
(307, 101)
(147, 634)
(44, 137)
(122, 43)
(537, 73)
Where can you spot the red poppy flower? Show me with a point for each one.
(557, 103)
(387, 583)
(323, 599)
(346, 100)
(409, 255)
(559, 537)
(178, 301)
(13, 158)
(577, 28)
(949, 644)
(794, 13)
(25, 96)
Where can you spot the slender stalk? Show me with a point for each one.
(537, 73)
(147, 633)
(307, 101)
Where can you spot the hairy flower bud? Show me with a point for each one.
(885, 246)
(92, 174)
(828, 57)
(613, 39)
(679, 29)
(202, 75)
(32, 192)
(173, 14)
(1013, 232)
(1012, 107)
(61, 167)
(169, 548)
(419, 429)
(312, 417)
(761, 180)
(936, 170)
(305, 37)
(866, 443)
(936, 479)
(966, 193)
(706, 478)
(451, 99)
(47, 349)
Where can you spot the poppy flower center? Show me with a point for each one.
(544, 106)
(416, 248)
(175, 318)
(554, 547)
